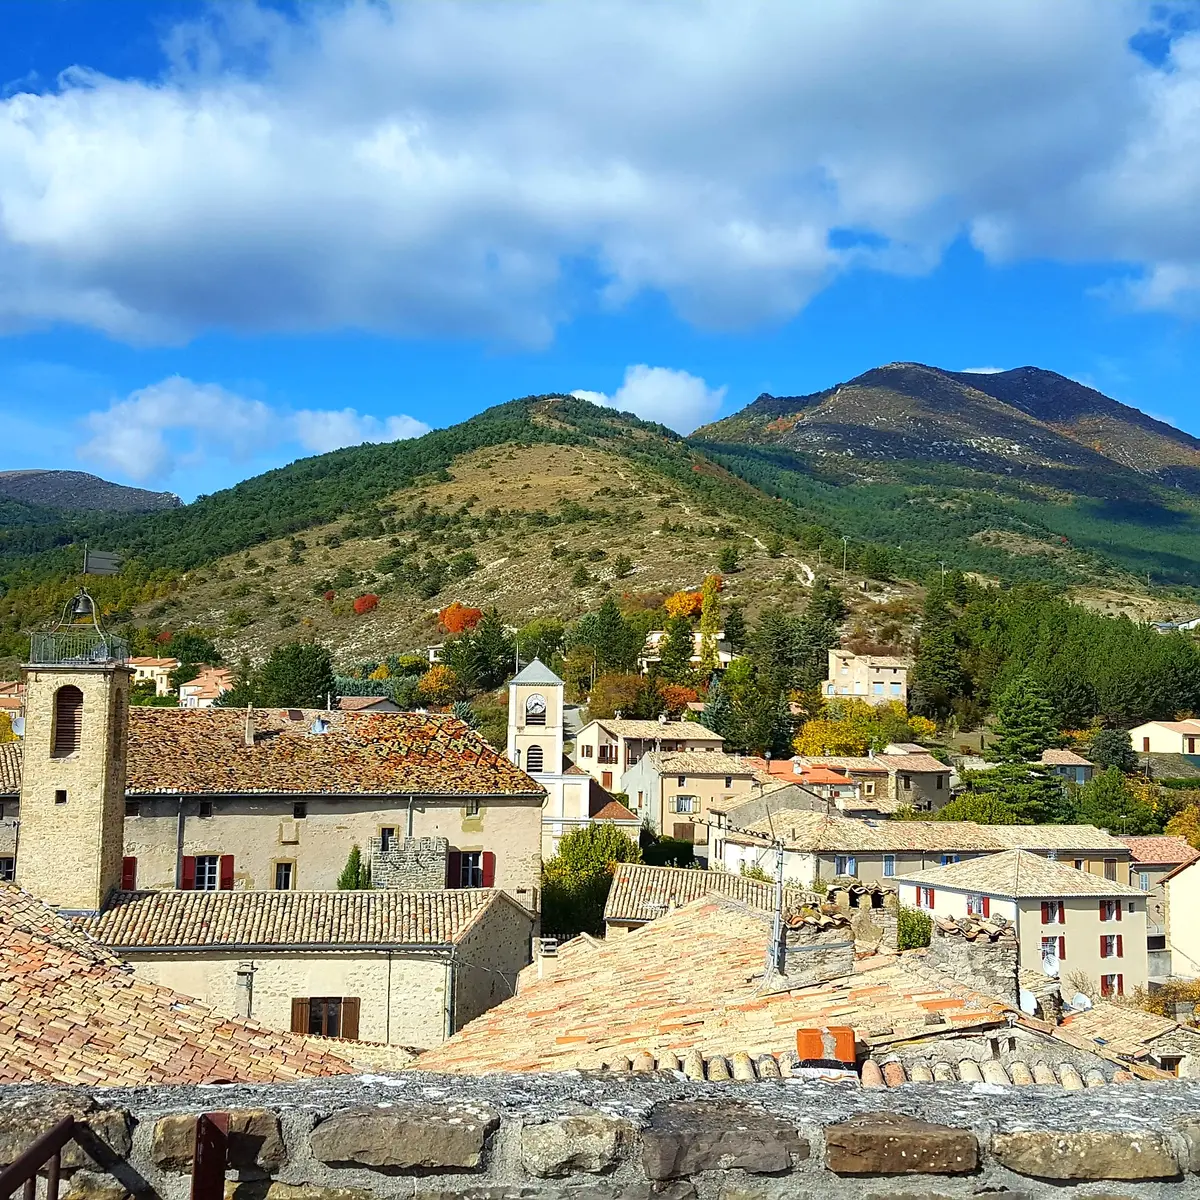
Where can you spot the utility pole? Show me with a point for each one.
(943, 566)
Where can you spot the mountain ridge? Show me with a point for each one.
(80, 491)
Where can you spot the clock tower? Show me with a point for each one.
(535, 720)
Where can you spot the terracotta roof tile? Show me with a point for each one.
(1162, 850)
(202, 751)
(10, 768)
(1018, 873)
(378, 916)
(614, 810)
(670, 730)
(691, 980)
(699, 762)
(72, 1011)
(1065, 758)
(1121, 1028)
(642, 893)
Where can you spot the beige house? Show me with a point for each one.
(402, 968)
(607, 748)
(678, 791)
(1068, 921)
(156, 671)
(909, 779)
(1181, 891)
(652, 652)
(1166, 737)
(1154, 858)
(207, 688)
(871, 677)
(819, 848)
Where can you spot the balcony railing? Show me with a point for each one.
(77, 648)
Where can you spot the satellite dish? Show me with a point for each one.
(1028, 1002)
(1050, 964)
(1079, 1000)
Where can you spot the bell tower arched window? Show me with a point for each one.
(535, 709)
(68, 720)
(534, 760)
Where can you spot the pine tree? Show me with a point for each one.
(617, 644)
(675, 663)
(356, 875)
(727, 559)
(1112, 748)
(735, 627)
(1025, 723)
(937, 673)
(718, 710)
(296, 675)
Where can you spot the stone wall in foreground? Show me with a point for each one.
(554, 1137)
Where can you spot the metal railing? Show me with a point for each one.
(208, 1161)
(81, 648)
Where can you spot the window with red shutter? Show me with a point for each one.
(1120, 985)
(454, 869)
(1120, 945)
(226, 884)
(1045, 912)
(128, 874)
(1118, 905)
(987, 906)
(489, 869)
(1062, 949)
(187, 876)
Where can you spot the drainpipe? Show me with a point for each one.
(450, 995)
(179, 822)
(387, 1034)
(409, 828)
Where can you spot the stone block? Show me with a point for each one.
(686, 1138)
(88, 1185)
(264, 1189)
(588, 1142)
(426, 1137)
(1068, 1157)
(890, 1144)
(254, 1141)
(104, 1138)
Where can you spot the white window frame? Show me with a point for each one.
(846, 865)
(685, 804)
(1110, 946)
(470, 869)
(208, 873)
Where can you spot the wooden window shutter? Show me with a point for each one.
(987, 906)
(489, 869)
(1103, 909)
(1062, 949)
(350, 1007)
(187, 879)
(1120, 985)
(1045, 912)
(68, 719)
(1103, 946)
(226, 873)
(1118, 906)
(454, 869)
(931, 897)
(1120, 946)
(299, 1015)
(128, 874)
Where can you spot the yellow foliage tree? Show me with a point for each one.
(1186, 824)
(439, 685)
(380, 672)
(6, 729)
(684, 604)
(846, 725)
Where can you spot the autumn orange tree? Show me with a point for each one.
(457, 618)
(365, 603)
(439, 685)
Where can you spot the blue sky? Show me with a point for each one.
(231, 235)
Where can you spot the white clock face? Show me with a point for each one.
(536, 703)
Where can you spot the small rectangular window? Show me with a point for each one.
(204, 809)
(207, 872)
(299, 810)
(473, 807)
(1079, 864)
(387, 837)
(729, 781)
(60, 796)
(284, 874)
(1110, 869)
(471, 869)
(133, 808)
(941, 783)
(682, 780)
(907, 780)
(8, 869)
(889, 866)
(1144, 880)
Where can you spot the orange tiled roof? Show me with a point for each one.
(203, 751)
(1162, 849)
(692, 980)
(362, 703)
(378, 917)
(10, 768)
(72, 1013)
(1120, 1028)
(642, 893)
(614, 810)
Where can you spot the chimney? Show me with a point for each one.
(818, 947)
(980, 954)
(662, 718)
(249, 726)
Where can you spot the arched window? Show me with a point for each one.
(535, 710)
(533, 759)
(68, 720)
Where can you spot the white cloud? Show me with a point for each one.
(177, 424)
(437, 168)
(672, 398)
(322, 430)
(983, 370)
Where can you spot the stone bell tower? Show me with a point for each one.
(72, 811)
(535, 719)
